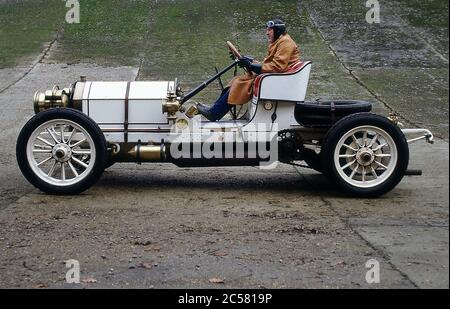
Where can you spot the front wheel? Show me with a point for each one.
(61, 151)
(365, 154)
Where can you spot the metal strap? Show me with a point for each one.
(333, 116)
(125, 124)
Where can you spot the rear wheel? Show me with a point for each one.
(61, 151)
(365, 154)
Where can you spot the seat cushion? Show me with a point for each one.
(292, 69)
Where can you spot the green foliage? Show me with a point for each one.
(25, 26)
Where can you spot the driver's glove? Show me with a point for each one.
(245, 62)
(255, 67)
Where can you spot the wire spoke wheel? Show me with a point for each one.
(61, 151)
(365, 154)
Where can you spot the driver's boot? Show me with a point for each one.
(205, 111)
(217, 110)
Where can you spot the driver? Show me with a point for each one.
(283, 53)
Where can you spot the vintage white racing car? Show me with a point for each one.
(79, 131)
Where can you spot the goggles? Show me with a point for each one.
(271, 24)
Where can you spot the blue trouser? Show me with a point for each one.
(221, 106)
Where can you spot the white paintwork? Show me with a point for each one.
(134, 137)
(145, 102)
(86, 90)
(149, 90)
(104, 102)
(107, 90)
(284, 111)
(114, 137)
(146, 111)
(290, 87)
(107, 111)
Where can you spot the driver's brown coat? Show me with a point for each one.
(281, 55)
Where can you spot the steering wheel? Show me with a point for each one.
(236, 54)
(234, 50)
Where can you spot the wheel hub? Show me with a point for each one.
(62, 153)
(365, 156)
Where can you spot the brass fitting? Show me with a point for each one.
(171, 104)
(393, 117)
(192, 111)
(171, 107)
(147, 153)
(51, 98)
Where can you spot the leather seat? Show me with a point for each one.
(287, 86)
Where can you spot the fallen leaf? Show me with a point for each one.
(216, 280)
(143, 243)
(144, 265)
(40, 286)
(220, 253)
(89, 280)
(154, 248)
(341, 263)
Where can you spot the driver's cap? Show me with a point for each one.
(276, 23)
(278, 26)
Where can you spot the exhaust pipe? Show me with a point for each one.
(138, 153)
(148, 153)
